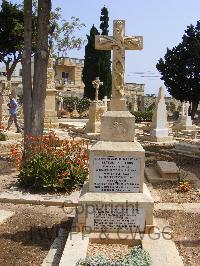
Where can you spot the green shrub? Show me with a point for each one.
(145, 116)
(95, 260)
(2, 136)
(82, 105)
(137, 257)
(69, 103)
(52, 164)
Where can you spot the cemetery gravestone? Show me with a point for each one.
(116, 198)
(96, 110)
(106, 101)
(51, 94)
(160, 127)
(185, 121)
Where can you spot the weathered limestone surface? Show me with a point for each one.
(185, 121)
(192, 147)
(75, 249)
(51, 93)
(135, 207)
(118, 43)
(163, 172)
(125, 156)
(4, 215)
(160, 130)
(116, 198)
(167, 169)
(116, 179)
(118, 126)
(96, 110)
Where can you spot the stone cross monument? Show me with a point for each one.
(105, 101)
(96, 83)
(116, 161)
(96, 110)
(118, 43)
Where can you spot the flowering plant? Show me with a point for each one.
(184, 186)
(51, 163)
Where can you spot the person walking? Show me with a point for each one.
(13, 111)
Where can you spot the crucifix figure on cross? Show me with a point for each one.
(118, 43)
(96, 83)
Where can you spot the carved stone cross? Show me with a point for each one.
(118, 43)
(96, 83)
(105, 101)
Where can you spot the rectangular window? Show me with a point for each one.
(65, 75)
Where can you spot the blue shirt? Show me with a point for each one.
(13, 106)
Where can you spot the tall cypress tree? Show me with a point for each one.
(97, 62)
(91, 68)
(105, 59)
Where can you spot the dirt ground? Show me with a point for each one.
(167, 193)
(186, 234)
(26, 237)
(8, 174)
(168, 190)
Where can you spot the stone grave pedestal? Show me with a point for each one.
(159, 125)
(118, 104)
(51, 96)
(50, 108)
(96, 110)
(116, 199)
(184, 123)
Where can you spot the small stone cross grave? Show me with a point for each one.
(96, 83)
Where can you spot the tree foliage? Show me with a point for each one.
(11, 35)
(97, 62)
(180, 68)
(91, 68)
(62, 33)
(63, 37)
(105, 59)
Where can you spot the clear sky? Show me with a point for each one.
(160, 22)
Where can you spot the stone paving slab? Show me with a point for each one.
(154, 177)
(155, 195)
(163, 252)
(4, 215)
(191, 207)
(75, 248)
(18, 197)
(168, 207)
(186, 207)
(55, 252)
